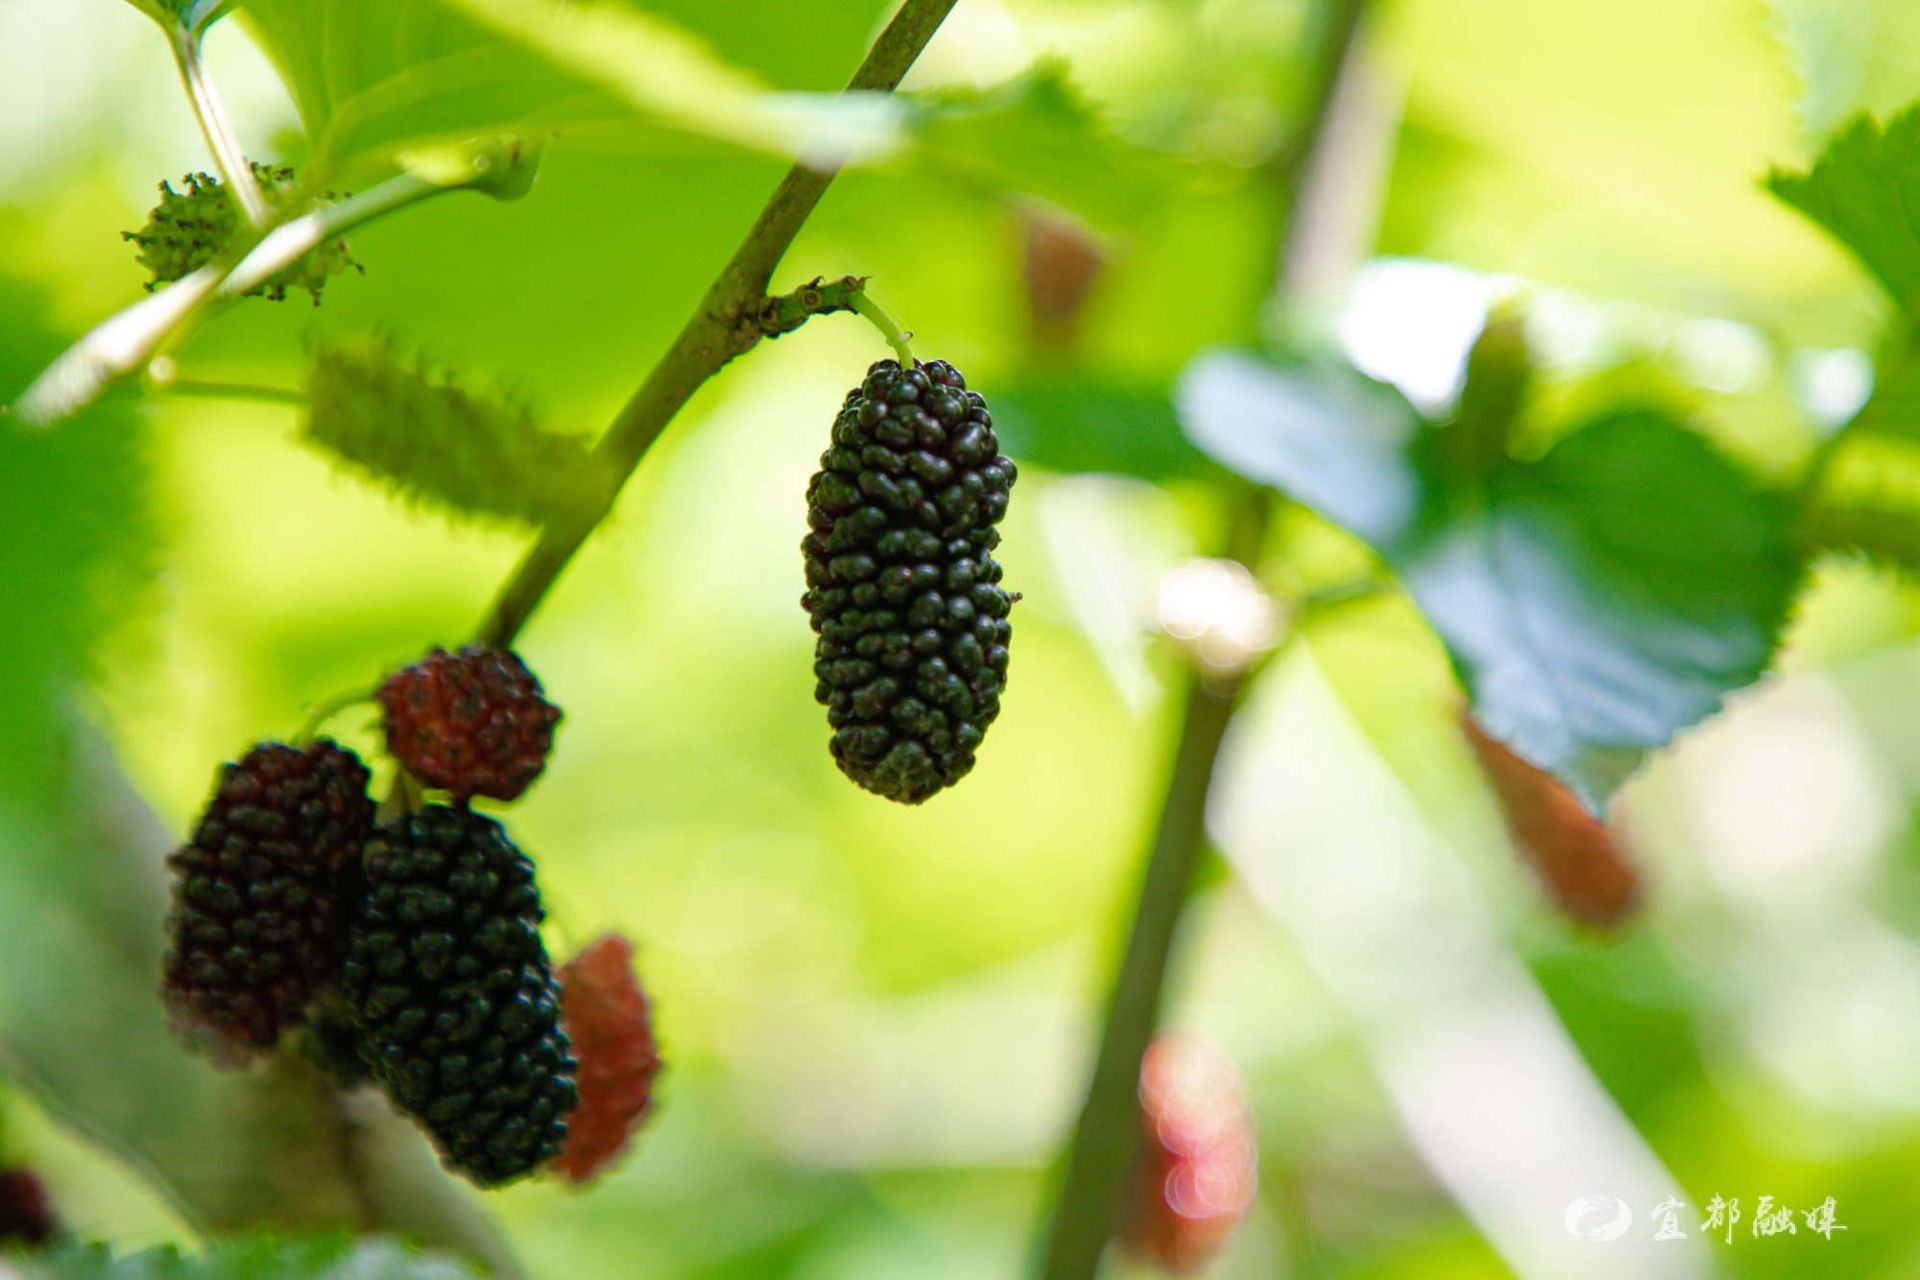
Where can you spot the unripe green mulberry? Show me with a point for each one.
(456, 1005)
(189, 227)
(902, 585)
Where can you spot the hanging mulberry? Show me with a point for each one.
(258, 891)
(1198, 1170)
(473, 723)
(456, 1006)
(606, 1015)
(902, 586)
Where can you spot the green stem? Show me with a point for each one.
(1101, 1160)
(326, 709)
(221, 139)
(722, 326)
(889, 329)
(206, 390)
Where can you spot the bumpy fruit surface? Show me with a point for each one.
(902, 585)
(607, 1017)
(1198, 1167)
(472, 723)
(26, 1212)
(189, 227)
(258, 893)
(455, 1003)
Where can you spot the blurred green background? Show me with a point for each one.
(877, 1019)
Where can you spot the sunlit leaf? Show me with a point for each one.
(1863, 191)
(1594, 602)
(372, 79)
(1851, 55)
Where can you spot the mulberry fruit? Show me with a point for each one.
(26, 1213)
(472, 723)
(902, 586)
(258, 892)
(607, 1017)
(192, 226)
(456, 1006)
(1198, 1169)
(1581, 865)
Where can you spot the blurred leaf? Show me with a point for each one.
(333, 1257)
(1080, 424)
(1862, 191)
(1868, 502)
(1499, 370)
(417, 433)
(74, 556)
(1594, 602)
(1338, 441)
(372, 79)
(1851, 55)
(1036, 134)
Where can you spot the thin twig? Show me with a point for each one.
(724, 325)
(1100, 1162)
(202, 389)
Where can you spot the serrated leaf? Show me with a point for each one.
(419, 434)
(1863, 190)
(1851, 55)
(1594, 602)
(329, 1257)
(1078, 423)
(1035, 134)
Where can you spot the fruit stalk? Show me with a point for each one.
(723, 326)
(1100, 1161)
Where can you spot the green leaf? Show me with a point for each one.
(1038, 135)
(417, 433)
(1594, 602)
(1864, 190)
(1851, 55)
(74, 557)
(376, 79)
(330, 1257)
(1081, 424)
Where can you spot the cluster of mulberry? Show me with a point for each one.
(407, 952)
(189, 227)
(902, 586)
(1198, 1167)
